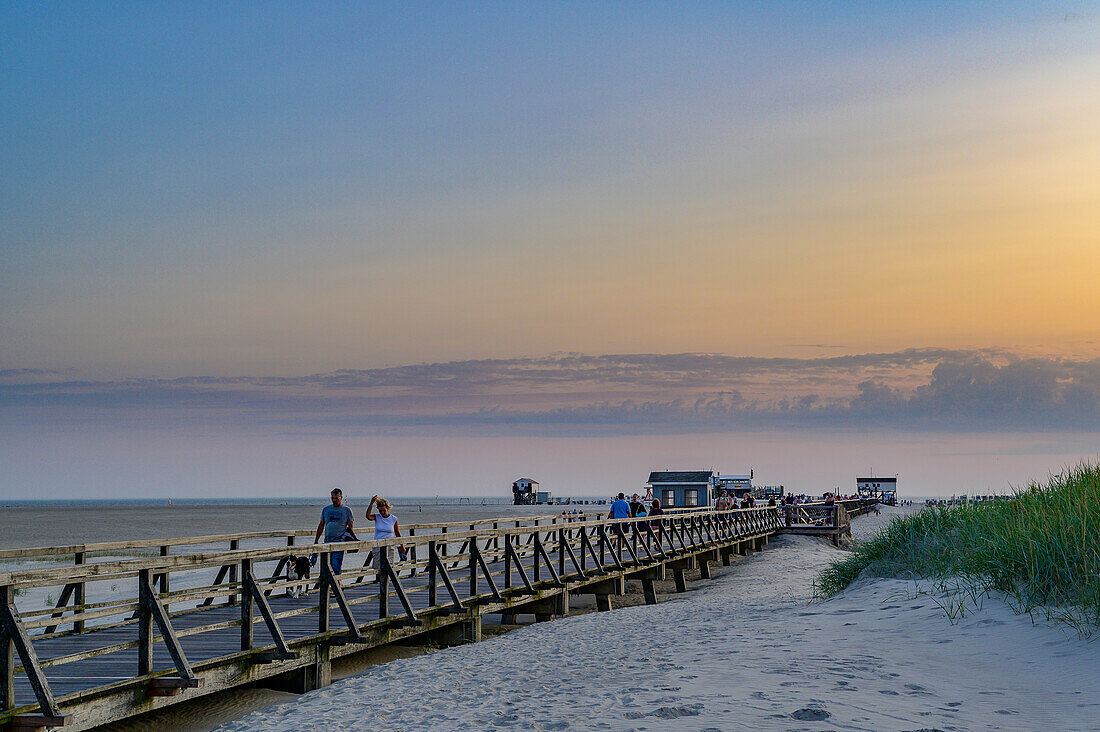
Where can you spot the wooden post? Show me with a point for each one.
(704, 568)
(431, 574)
(681, 581)
(7, 655)
(788, 510)
(383, 584)
(234, 544)
(473, 572)
(78, 595)
(561, 552)
(247, 636)
(538, 550)
(649, 591)
(165, 550)
(145, 628)
(322, 597)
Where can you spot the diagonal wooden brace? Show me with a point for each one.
(541, 552)
(435, 562)
(475, 557)
(388, 570)
(329, 578)
(12, 633)
(252, 589)
(510, 551)
(151, 609)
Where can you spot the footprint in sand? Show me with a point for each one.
(809, 714)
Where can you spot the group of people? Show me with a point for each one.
(634, 508)
(338, 525)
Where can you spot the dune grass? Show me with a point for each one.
(1041, 549)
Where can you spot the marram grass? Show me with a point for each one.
(1041, 548)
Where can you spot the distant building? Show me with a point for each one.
(525, 492)
(884, 489)
(683, 489)
(736, 485)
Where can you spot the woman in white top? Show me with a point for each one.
(385, 527)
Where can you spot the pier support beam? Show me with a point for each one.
(312, 676)
(681, 580)
(726, 553)
(704, 568)
(548, 608)
(649, 591)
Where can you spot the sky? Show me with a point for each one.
(426, 248)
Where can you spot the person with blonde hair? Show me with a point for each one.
(385, 527)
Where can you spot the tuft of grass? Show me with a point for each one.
(1041, 549)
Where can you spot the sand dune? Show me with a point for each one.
(747, 651)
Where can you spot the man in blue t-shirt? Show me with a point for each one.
(336, 524)
(620, 508)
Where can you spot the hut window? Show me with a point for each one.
(691, 497)
(668, 497)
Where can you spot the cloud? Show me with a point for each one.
(920, 389)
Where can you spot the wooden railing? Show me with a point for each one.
(166, 601)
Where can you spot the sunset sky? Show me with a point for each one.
(265, 249)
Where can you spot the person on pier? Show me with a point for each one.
(724, 502)
(620, 509)
(385, 527)
(337, 523)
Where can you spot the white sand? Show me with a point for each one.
(746, 651)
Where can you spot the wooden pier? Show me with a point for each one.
(179, 625)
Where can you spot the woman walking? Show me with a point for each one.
(385, 527)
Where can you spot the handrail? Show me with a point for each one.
(57, 575)
(565, 553)
(105, 546)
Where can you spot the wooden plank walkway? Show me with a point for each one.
(105, 660)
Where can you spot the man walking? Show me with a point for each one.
(620, 509)
(336, 522)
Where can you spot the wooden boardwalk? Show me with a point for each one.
(165, 640)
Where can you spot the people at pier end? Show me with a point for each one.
(637, 508)
(620, 509)
(337, 524)
(724, 502)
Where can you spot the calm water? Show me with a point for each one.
(54, 524)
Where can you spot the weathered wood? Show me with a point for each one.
(510, 554)
(541, 552)
(14, 634)
(151, 605)
(451, 590)
(476, 561)
(387, 569)
(332, 582)
(687, 535)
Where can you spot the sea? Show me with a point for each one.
(30, 523)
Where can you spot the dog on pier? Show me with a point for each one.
(297, 568)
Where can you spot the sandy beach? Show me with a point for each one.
(747, 650)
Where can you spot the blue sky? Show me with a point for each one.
(201, 200)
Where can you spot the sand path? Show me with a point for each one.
(746, 651)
